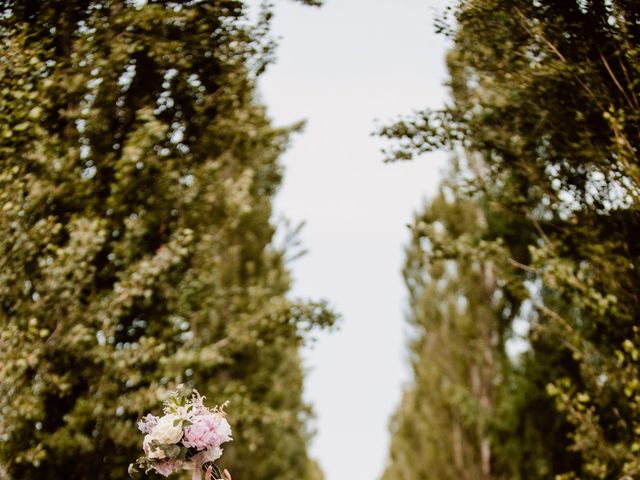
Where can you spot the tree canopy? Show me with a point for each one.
(137, 171)
(544, 118)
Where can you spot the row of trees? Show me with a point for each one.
(136, 177)
(524, 271)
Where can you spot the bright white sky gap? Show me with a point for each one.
(341, 67)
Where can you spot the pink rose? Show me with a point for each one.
(166, 467)
(206, 431)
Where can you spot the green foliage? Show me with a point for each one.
(545, 107)
(136, 177)
(441, 428)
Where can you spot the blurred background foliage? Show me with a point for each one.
(137, 172)
(523, 273)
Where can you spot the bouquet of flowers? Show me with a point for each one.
(188, 436)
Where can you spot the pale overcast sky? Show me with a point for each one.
(341, 67)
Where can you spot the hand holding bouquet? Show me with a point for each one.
(188, 436)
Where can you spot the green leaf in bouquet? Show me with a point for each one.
(171, 450)
(182, 455)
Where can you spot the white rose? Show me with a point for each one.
(168, 429)
(149, 451)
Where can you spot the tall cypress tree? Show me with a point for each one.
(441, 427)
(136, 178)
(546, 94)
